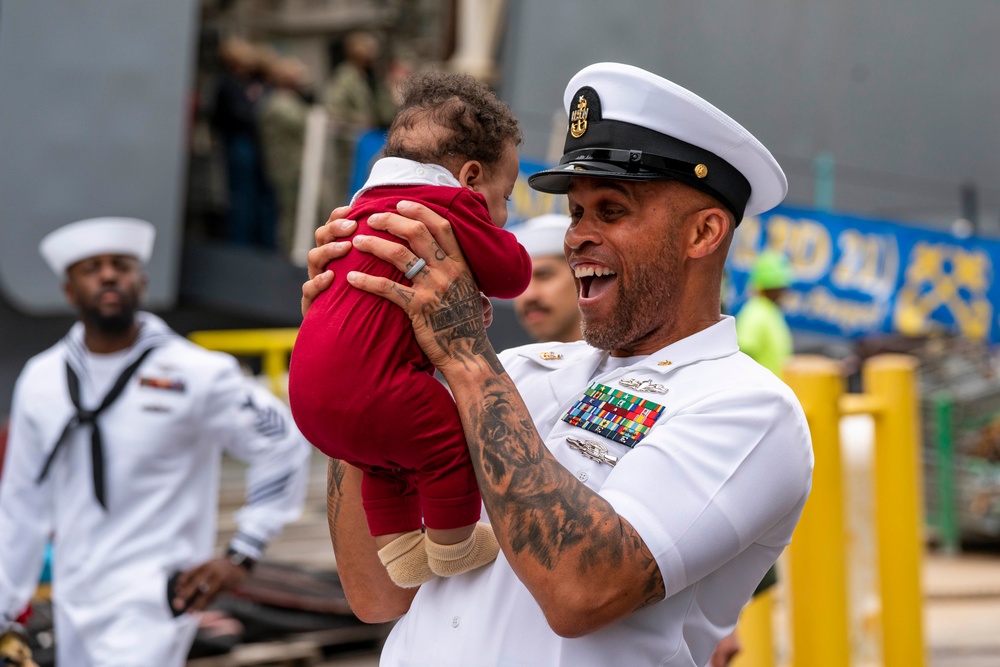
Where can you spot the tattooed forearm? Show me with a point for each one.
(334, 485)
(458, 318)
(334, 477)
(654, 590)
(543, 511)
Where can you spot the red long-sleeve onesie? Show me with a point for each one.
(361, 389)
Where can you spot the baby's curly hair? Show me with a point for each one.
(448, 119)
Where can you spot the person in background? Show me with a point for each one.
(282, 136)
(547, 309)
(356, 100)
(641, 484)
(761, 329)
(251, 214)
(116, 440)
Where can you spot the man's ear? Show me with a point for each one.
(470, 174)
(710, 228)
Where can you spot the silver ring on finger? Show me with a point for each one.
(203, 588)
(415, 269)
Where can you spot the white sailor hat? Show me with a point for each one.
(97, 236)
(543, 235)
(628, 124)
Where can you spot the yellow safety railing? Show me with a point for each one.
(898, 508)
(818, 553)
(272, 346)
(756, 632)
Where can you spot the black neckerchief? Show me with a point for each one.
(84, 416)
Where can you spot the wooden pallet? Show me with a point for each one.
(299, 650)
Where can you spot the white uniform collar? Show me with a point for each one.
(718, 340)
(153, 331)
(400, 171)
(575, 364)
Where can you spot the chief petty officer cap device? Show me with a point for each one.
(628, 124)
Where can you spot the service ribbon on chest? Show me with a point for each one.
(615, 414)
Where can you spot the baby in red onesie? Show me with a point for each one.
(360, 388)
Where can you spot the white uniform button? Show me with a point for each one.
(455, 621)
(420, 171)
(582, 475)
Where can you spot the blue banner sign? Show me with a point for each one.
(855, 276)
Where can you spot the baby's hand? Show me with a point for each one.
(487, 310)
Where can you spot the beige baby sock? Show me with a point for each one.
(475, 551)
(406, 561)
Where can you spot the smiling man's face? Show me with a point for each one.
(626, 249)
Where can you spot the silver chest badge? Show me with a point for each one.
(643, 385)
(593, 450)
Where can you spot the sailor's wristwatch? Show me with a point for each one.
(238, 558)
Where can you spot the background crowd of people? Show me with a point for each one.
(250, 129)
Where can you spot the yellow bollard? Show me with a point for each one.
(817, 555)
(898, 498)
(271, 345)
(755, 632)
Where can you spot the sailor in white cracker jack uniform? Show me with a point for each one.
(114, 450)
(640, 483)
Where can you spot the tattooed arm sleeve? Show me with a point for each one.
(584, 564)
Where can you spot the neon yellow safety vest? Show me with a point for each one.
(763, 334)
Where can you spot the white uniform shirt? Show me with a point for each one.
(163, 441)
(714, 489)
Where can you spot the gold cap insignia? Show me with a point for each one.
(665, 362)
(701, 171)
(578, 119)
(550, 356)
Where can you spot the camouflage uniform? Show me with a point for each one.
(353, 107)
(282, 134)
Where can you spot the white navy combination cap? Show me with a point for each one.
(628, 124)
(543, 235)
(97, 236)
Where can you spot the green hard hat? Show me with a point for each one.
(770, 271)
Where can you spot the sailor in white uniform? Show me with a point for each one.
(116, 437)
(640, 483)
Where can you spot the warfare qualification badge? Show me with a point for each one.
(643, 385)
(593, 450)
(578, 119)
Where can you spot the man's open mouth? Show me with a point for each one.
(594, 280)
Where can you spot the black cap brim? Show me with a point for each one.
(695, 167)
(556, 180)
